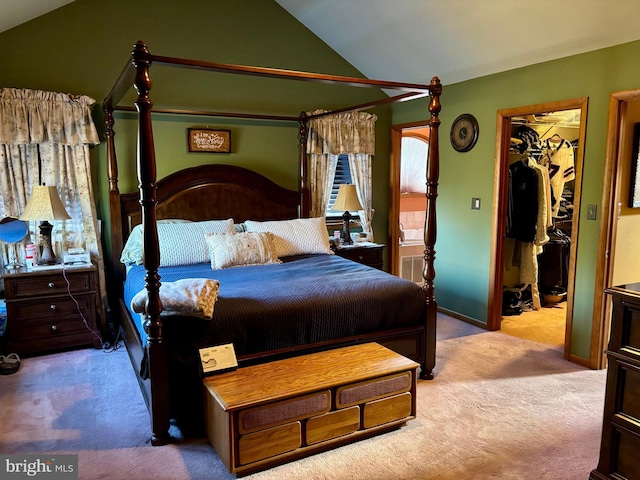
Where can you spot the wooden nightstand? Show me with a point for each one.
(41, 314)
(365, 253)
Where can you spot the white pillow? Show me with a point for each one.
(246, 248)
(180, 243)
(132, 252)
(295, 237)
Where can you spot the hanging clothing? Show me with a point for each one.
(527, 219)
(543, 220)
(522, 211)
(559, 160)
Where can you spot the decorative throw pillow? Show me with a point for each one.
(246, 248)
(181, 243)
(295, 237)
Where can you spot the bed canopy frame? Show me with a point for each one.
(136, 73)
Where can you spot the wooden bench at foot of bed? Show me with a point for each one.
(263, 415)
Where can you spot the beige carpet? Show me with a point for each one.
(500, 407)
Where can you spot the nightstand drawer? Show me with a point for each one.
(52, 284)
(36, 311)
(367, 254)
(55, 327)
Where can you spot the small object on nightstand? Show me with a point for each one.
(75, 258)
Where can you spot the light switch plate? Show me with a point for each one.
(475, 204)
(592, 211)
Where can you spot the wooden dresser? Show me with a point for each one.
(262, 415)
(42, 313)
(620, 444)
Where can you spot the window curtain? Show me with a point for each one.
(351, 133)
(45, 138)
(322, 170)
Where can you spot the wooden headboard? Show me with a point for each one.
(207, 192)
(212, 192)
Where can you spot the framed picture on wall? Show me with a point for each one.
(209, 140)
(634, 188)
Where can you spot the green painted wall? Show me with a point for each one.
(82, 47)
(464, 235)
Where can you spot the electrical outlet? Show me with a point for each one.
(475, 204)
(592, 212)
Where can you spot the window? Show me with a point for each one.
(413, 164)
(343, 175)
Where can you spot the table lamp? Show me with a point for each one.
(44, 204)
(346, 200)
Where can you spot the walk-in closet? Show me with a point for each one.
(541, 201)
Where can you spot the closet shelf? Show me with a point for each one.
(542, 123)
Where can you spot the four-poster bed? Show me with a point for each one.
(222, 192)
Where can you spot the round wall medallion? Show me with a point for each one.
(464, 132)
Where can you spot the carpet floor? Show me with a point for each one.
(499, 407)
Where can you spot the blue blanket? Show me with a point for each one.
(305, 299)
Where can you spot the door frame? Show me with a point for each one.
(394, 192)
(499, 211)
(611, 189)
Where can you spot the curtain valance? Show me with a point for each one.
(351, 132)
(37, 116)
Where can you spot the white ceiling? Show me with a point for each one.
(454, 39)
(462, 39)
(16, 12)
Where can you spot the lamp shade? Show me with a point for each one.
(44, 204)
(347, 198)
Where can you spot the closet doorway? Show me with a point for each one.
(539, 285)
(407, 198)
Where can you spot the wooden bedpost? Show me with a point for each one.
(430, 229)
(117, 269)
(305, 196)
(156, 348)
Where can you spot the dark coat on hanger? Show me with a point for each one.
(522, 210)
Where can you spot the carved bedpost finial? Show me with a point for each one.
(141, 59)
(112, 164)
(305, 196)
(435, 90)
(302, 120)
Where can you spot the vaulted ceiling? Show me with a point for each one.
(410, 40)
